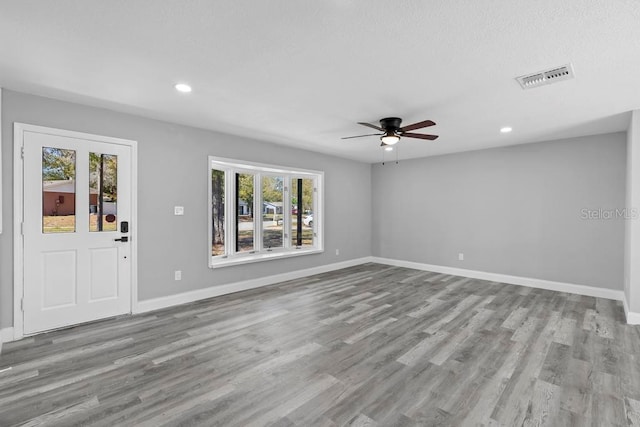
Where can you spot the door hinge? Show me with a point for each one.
(21, 304)
(22, 152)
(22, 228)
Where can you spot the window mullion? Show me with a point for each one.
(286, 210)
(257, 197)
(229, 211)
(300, 206)
(257, 213)
(236, 210)
(318, 211)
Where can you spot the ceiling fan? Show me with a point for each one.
(392, 132)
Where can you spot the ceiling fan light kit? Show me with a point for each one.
(389, 138)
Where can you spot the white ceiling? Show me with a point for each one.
(302, 73)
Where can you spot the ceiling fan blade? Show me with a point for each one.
(420, 136)
(371, 126)
(418, 125)
(360, 136)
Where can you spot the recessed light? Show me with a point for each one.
(388, 148)
(505, 129)
(183, 87)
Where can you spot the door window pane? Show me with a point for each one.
(58, 190)
(217, 212)
(301, 212)
(103, 192)
(272, 212)
(245, 219)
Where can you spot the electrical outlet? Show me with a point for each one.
(177, 275)
(337, 252)
(178, 210)
(460, 256)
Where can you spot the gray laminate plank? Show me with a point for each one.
(632, 410)
(367, 345)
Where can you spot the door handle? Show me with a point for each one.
(123, 239)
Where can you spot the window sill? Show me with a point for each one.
(251, 258)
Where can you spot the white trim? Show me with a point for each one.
(267, 168)
(18, 244)
(265, 256)
(133, 229)
(6, 335)
(572, 288)
(200, 294)
(214, 291)
(261, 170)
(632, 318)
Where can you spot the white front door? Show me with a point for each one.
(77, 209)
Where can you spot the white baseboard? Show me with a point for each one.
(200, 294)
(214, 291)
(632, 318)
(590, 291)
(6, 335)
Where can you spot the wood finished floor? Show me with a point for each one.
(364, 346)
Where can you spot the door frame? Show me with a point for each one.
(18, 213)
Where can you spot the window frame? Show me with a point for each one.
(230, 167)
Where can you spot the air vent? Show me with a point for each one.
(546, 77)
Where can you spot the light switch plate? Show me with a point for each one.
(178, 210)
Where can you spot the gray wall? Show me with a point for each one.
(514, 210)
(172, 170)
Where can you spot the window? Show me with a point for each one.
(103, 192)
(273, 215)
(58, 190)
(302, 212)
(216, 186)
(272, 212)
(245, 218)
